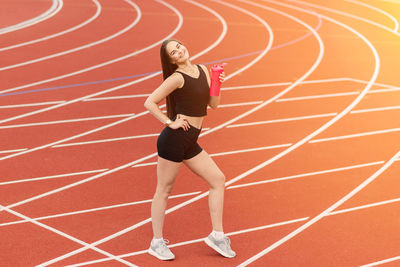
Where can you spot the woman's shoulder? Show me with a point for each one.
(177, 79)
(204, 68)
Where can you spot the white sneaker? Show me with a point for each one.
(222, 246)
(160, 250)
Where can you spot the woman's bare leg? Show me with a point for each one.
(203, 165)
(166, 175)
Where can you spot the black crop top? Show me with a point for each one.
(192, 99)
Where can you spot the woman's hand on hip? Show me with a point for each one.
(180, 122)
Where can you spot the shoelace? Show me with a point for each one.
(228, 240)
(165, 242)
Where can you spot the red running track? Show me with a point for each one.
(307, 132)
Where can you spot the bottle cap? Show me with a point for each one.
(217, 67)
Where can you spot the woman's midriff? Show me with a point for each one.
(194, 121)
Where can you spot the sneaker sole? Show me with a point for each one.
(216, 248)
(152, 252)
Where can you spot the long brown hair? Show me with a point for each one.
(168, 69)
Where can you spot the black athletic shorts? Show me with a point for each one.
(178, 145)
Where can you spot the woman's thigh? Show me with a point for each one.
(205, 167)
(166, 172)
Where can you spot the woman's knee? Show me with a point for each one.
(218, 181)
(163, 191)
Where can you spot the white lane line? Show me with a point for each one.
(249, 86)
(298, 98)
(107, 140)
(67, 121)
(375, 109)
(32, 104)
(242, 104)
(365, 206)
(268, 226)
(325, 80)
(291, 177)
(54, 9)
(12, 151)
(336, 95)
(59, 33)
(145, 164)
(282, 120)
(378, 84)
(391, 89)
(268, 47)
(249, 150)
(379, 263)
(51, 177)
(80, 242)
(396, 23)
(354, 135)
(346, 15)
(98, 209)
(116, 97)
(322, 214)
(108, 38)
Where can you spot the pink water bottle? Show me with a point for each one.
(215, 85)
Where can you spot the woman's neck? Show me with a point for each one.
(186, 65)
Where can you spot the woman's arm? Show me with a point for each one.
(167, 87)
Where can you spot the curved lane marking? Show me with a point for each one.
(54, 9)
(98, 11)
(347, 15)
(396, 23)
(108, 38)
(309, 137)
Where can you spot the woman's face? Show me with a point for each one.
(177, 52)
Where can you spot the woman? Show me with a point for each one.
(186, 89)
